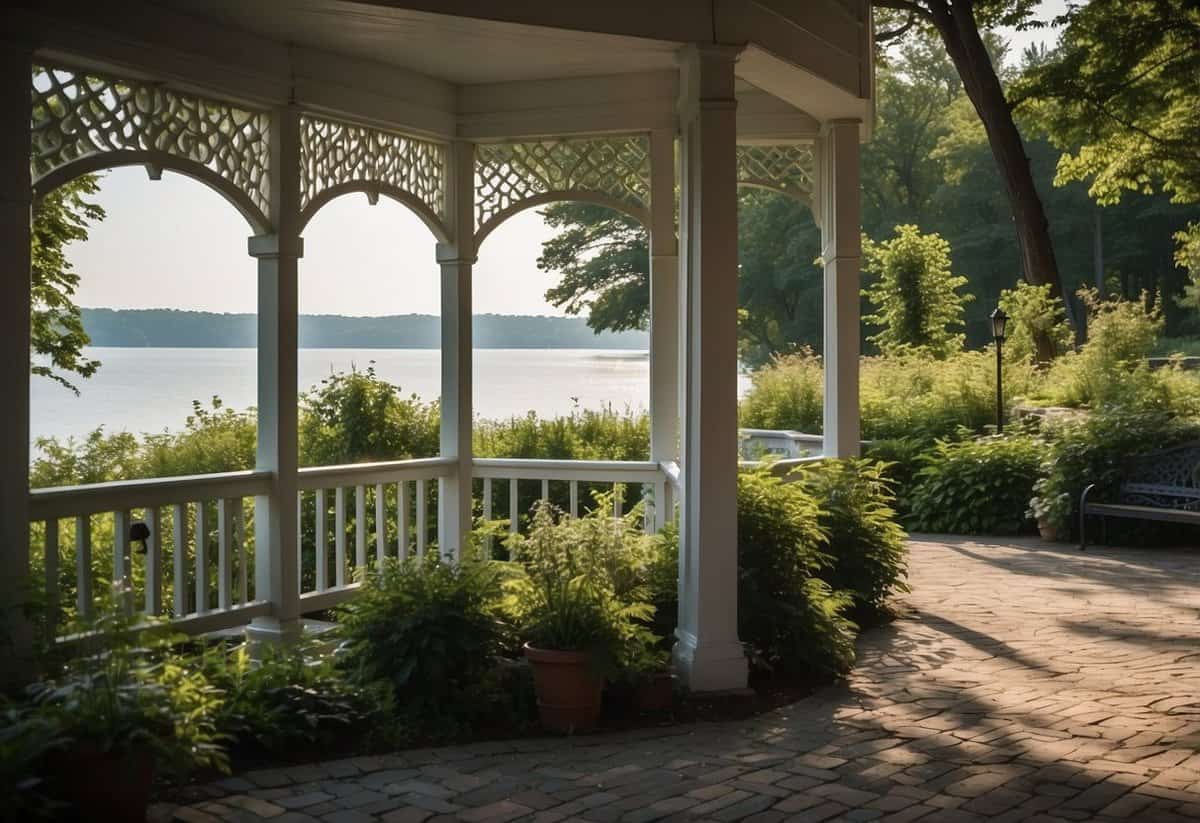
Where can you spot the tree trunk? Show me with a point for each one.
(960, 33)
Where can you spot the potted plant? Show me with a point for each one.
(577, 630)
(125, 705)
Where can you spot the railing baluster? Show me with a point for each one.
(545, 489)
(299, 539)
(339, 535)
(360, 527)
(513, 519)
(380, 524)
(322, 538)
(224, 553)
(618, 498)
(121, 572)
(487, 514)
(239, 536)
(655, 524)
(201, 558)
(179, 559)
(83, 565)
(154, 576)
(50, 563)
(402, 516)
(421, 518)
(574, 498)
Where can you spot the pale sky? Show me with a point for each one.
(177, 244)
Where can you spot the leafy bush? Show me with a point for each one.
(976, 486)
(582, 585)
(1032, 311)
(791, 618)
(788, 393)
(915, 299)
(430, 630)
(291, 701)
(127, 689)
(866, 544)
(899, 459)
(27, 738)
(1095, 450)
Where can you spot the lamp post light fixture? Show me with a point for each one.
(999, 321)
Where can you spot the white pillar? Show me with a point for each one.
(15, 199)
(708, 653)
(277, 542)
(455, 500)
(841, 249)
(664, 312)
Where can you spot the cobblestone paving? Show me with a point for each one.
(1026, 682)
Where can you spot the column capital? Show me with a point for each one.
(268, 246)
(706, 77)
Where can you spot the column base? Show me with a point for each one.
(704, 667)
(266, 632)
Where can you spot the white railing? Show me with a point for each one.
(393, 506)
(186, 518)
(554, 477)
(196, 562)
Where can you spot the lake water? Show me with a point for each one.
(150, 390)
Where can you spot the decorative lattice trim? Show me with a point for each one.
(507, 174)
(79, 114)
(790, 169)
(336, 154)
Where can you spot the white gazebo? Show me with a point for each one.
(467, 112)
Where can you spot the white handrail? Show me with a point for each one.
(97, 498)
(595, 471)
(366, 474)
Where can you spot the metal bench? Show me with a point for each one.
(1162, 485)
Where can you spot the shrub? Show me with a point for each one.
(430, 631)
(866, 544)
(582, 585)
(899, 459)
(976, 486)
(1095, 450)
(791, 618)
(915, 298)
(1032, 311)
(786, 394)
(291, 701)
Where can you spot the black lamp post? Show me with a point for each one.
(999, 320)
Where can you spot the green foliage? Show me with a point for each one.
(126, 689)
(1110, 368)
(216, 439)
(1119, 94)
(358, 417)
(430, 631)
(866, 544)
(27, 738)
(604, 434)
(581, 585)
(1095, 449)
(1032, 311)
(60, 218)
(791, 619)
(290, 701)
(915, 298)
(1187, 257)
(976, 486)
(788, 393)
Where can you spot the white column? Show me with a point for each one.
(664, 312)
(277, 541)
(15, 197)
(708, 654)
(456, 259)
(841, 249)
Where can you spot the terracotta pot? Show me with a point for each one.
(112, 785)
(568, 691)
(655, 694)
(1047, 530)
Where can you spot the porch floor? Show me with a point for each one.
(1026, 681)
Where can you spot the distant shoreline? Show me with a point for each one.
(174, 328)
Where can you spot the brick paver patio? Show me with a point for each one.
(1026, 682)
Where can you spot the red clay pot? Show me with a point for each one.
(105, 785)
(568, 691)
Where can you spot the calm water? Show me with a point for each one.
(149, 390)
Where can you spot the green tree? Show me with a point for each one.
(60, 218)
(960, 25)
(915, 298)
(1033, 312)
